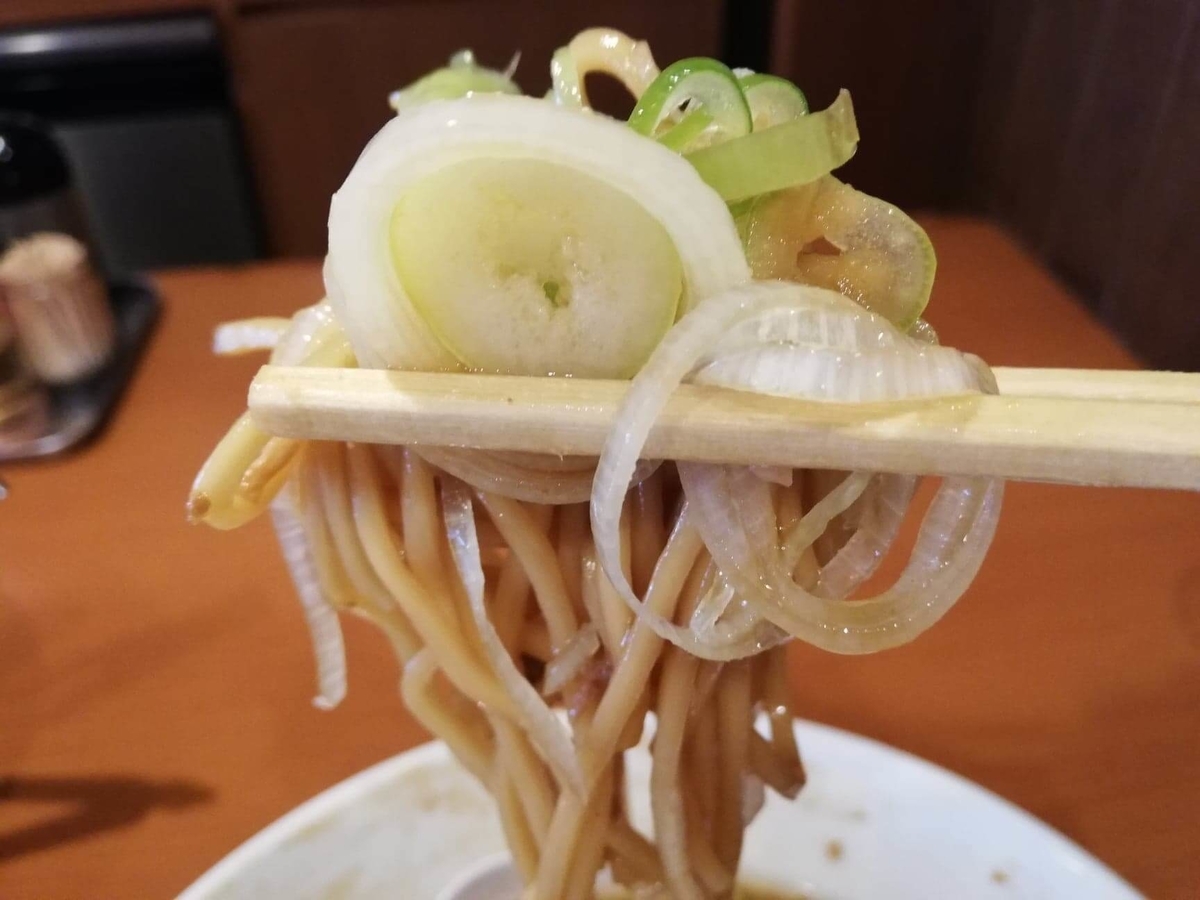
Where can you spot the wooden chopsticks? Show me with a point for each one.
(1140, 429)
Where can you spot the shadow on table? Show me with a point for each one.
(93, 805)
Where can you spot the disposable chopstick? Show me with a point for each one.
(1067, 439)
(1100, 384)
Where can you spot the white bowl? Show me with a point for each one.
(872, 822)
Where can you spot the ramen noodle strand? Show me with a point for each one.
(666, 783)
(455, 654)
(264, 477)
(332, 570)
(422, 525)
(635, 860)
(510, 601)
(713, 876)
(643, 647)
(776, 696)
(528, 775)
(539, 561)
(649, 534)
(573, 527)
(734, 723)
(448, 715)
(702, 756)
(521, 844)
(589, 852)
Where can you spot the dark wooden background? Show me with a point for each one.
(1074, 122)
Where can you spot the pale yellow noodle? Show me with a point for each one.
(334, 582)
(331, 574)
(510, 601)
(703, 761)
(776, 697)
(642, 648)
(648, 531)
(217, 498)
(265, 476)
(517, 836)
(617, 615)
(588, 855)
(528, 775)
(535, 640)
(599, 741)
(448, 715)
(331, 483)
(539, 561)
(610, 635)
(635, 859)
(429, 616)
(734, 723)
(379, 548)
(572, 528)
(678, 673)
(422, 523)
(715, 878)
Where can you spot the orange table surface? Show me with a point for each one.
(155, 677)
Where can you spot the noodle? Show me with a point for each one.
(666, 794)
(466, 635)
(734, 724)
(545, 611)
(448, 715)
(538, 560)
(572, 529)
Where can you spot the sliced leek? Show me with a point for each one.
(525, 267)
(830, 235)
(603, 50)
(462, 78)
(795, 152)
(428, 301)
(773, 100)
(700, 84)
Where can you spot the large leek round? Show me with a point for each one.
(386, 281)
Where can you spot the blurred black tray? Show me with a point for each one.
(78, 411)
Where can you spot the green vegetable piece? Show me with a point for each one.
(461, 78)
(705, 86)
(773, 100)
(830, 235)
(796, 152)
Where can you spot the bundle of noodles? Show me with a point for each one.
(485, 231)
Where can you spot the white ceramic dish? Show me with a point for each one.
(872, 822)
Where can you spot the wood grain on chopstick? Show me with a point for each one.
(1059, 439)
(1100, 384)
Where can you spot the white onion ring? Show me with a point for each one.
(528, 477)
(953, 539)
(324, 627)
(826, 338)
(600, 50)
(568, 662)
(546, 732)
(248, 335)
(885, 503)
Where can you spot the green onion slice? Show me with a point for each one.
(772, 100)
(705, 86)
(781, 156)
(830, 235)
(461, 78)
